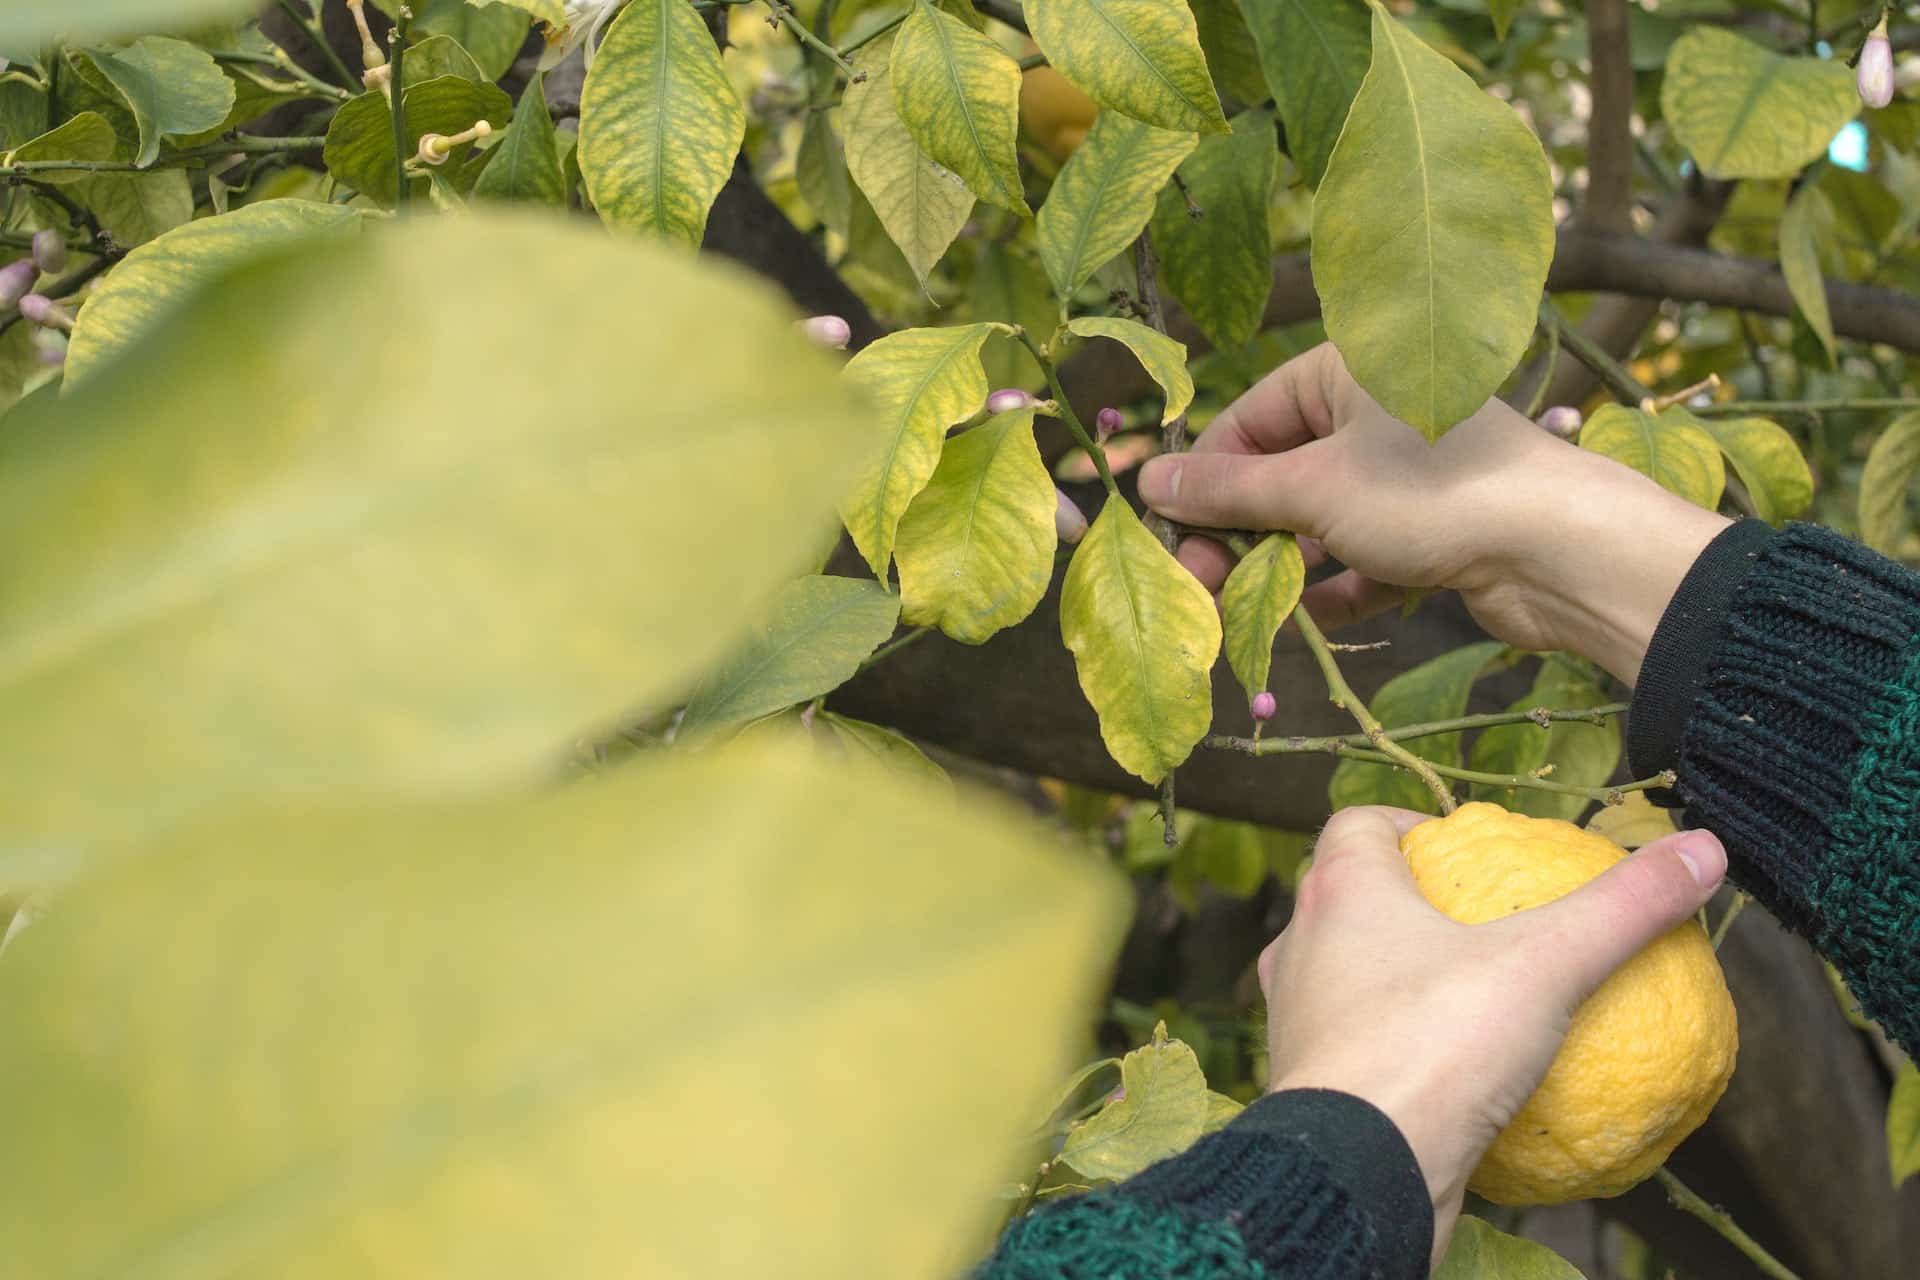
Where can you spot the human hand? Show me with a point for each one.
(1449, 1028)
(1551, 546)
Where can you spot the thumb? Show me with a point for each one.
(1598, 927)
(1235, 491)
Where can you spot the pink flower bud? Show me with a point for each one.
(42, 310)
(16, 280)
(1106, 422)
(1874, 74)
(50, 347)
(1562, 420)
(1264, 706)
(828, 331)
(1068, 523)
(1008, 398)
(50, 251)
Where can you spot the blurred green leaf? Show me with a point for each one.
(1747, 112)
(1104, 196)
(1141, 58)
(1161, 1111)
(1315, 53)
(1885, 482)
(959, 94)
(1801, 229)
(1010, 286)
(1232, 56)
(1233, 857)
(882, 746)
(1770, 464)
(1164, 359)
(436, 1038)
(1219, 265)
(23, 109)
(491, 33)
(172, 87)
(820, 171)
(1582, 754)
(27, 24)
(1257, 598)
(134, 208)
(1435, 690)
(526, 163)
(1479, 1252)
(1672, 448)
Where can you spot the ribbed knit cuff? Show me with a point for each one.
(1250, 1174)
(1816, 635)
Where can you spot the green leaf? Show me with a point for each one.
(1104, 196)
(820, 171)
(1479, 1252)
(976, 546)
(1800, 227)
(1220, 1112)
(882, 747)
(356, 568)
(437, 56)
(1258, 596)
(1432, 231)
(959, 95)
(134, 208)
(1160, 1112)
(23, 109)
(457, 1030)
(154, 279)
(1884, 483)
(87, 136)
(1141, 58)
(526, 163)
(1672, 448)
(1231, 856)
(1315, 53)
(812, 637)
(1502, 12)
(1231, 53)
(1582, 754)
(1164, 359)
(1220, 265)
(28, 24)
(1903, 1124)
(660, 124)
(1144, 635)
(921, 205)
(1748, 112)
(551, 12)
(491, 35)
(172, 87)
(922, 381)
(1770, 465)
(81, 86)
(359, 150)
(1435, 690)
(1009, 285)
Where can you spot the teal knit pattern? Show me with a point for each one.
(1117, 1237)
(1867, 895)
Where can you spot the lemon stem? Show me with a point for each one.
(1718, 1219)
(1734, 909)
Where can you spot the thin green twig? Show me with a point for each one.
(178, 159)
(1064, 408)
(1718, 1219)
(784, 15)
(397, 104)
(892, 647)
(1294, 745)
(310, 23)
(1740, 900)
(1761, 408)
(848, 49)
(1607, 795)
(279, 60)
(1589, 353)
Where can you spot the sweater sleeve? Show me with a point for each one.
(1783, 689)
(1308, 1184)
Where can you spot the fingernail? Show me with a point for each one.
(1704, 855)
(1160, 481)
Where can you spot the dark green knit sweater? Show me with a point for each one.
(1783, 688)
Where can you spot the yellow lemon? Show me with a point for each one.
(1649, 1053)
(1056, 115)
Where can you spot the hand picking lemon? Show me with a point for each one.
(1650, 1051)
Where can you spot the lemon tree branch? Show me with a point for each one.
(1332, 743)
(1718, 1219)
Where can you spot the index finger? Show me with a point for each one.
(1289, 407)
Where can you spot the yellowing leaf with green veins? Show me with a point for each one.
(922, 381)
(1807, 217)
(1885, 482)
(976, 547)
(155, 278)
(1770, 464)
(1220, 1112)
(1903, 1124)
(1220, 265)
(409, 575)
(26, 24)
(495, 1012)
(1144, 635)
(1582, 754)
(172, 87)
(1634, 822)
(959, 95)
(1744, 111)
(1482, 1252)
(1673, 449)
(1315, 53)
(134, 208)
(1432, 232)
(359, 150)
(1164, 359)
(1141, 58)
(660, 124)
(526, 163)
(1160, 1111)
(1231, 53)
(1437, 689)
(1104, 196)
(810, 639)
(921, 205)
(87, 136)
(1258, 596)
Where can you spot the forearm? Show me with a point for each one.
(1303, 1185)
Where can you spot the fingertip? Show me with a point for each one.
(1700, 852)
(1160, 480)
(1206, 560)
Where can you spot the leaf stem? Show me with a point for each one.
(1067, 415)
(847, 50)
(179, 159)
(1624, 385)
(280, 61)
(1343, 696)
(397, 104)
(309, 22)
(1295, 745)
(1718, 1219)
(1611, 795)
(1734, 908)
(784, 15)
(1538, 400)
(892, 647)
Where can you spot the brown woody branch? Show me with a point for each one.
(1609, 198)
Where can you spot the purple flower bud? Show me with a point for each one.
(1562, 420)
(42, 310)
(50, 251)
(16, 281)
(1874, 75)
(828, 331)
(1068, 523)
(1008, 398)
(1106, 422)
(1264, 706)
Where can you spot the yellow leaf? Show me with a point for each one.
(1141, 58)
(1744, 111)
(959, 94)
(1104, 196)
(1164, 359)
(1258, 596)
(1884, 483)
(1671, 448)
(1161, 1110)
(921, 205)
(1635, 821)
(1770, 465)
